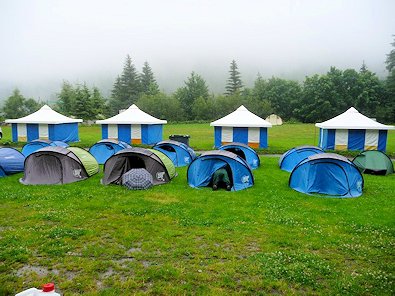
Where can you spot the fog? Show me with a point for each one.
(46, 42)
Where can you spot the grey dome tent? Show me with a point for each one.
(374, 162)
(155, 162)
(58, 165)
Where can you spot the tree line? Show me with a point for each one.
(317, 98)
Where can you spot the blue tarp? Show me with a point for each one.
(244, 151)
(34, 145)
(11, 161)
(124, 133)
(179, 153)
(56, 132)
(104, 149)
(263, 137)
(201, 170)
(356, 139)
(328, 174)
(151, 133)
(382, 140)
(65, 132)
(217, 136)
(289, 160)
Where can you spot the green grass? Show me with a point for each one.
(281, 138)
(172, 239)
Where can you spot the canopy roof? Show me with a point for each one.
(44, 115)
(132, 115)
(241, 117)
(352, 119)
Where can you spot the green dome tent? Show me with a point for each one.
(374, 162)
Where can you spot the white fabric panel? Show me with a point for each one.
(227, 134)
(136, 131)
(371, 139)
(43, 131)
(22, 131)
(341, 139)
(253, 135)
(113, 131)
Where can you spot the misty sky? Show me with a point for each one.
(46, 42)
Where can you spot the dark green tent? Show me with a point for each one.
(374, 162)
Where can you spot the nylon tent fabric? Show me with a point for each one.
(289, 160)
(329, 174)
(374, 162)
(201, 170)
(53, 165)
(134, 158)
(88, 161)
(104, 149)
(245, 152)
(179, 153)
(11, 161)
(137, 179)
(34, 145)
(166, 161)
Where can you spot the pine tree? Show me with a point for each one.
(126, 89)
(390, 84)
(130, 84)
(82, 106)
(234, 84)
(13, 106)
(194, 88)
(66, 101)
(149, 86)
(98, 103)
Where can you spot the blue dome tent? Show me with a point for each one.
(179, 153)
(289, 160)
(34, 145)
(11, 161)
(106, 148)
(327, 173)
(245, 152)
(201, 170)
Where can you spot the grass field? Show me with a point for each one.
(281, 138)
(172, 239)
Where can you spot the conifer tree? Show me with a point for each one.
(98, 103)
(66, 101)
(82, 106)
(149, 86)
(130, 84)
(234, 84)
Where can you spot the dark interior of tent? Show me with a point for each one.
(375, 172)
(237, 151)
(230, 175)
(135, 162)
(168, 148)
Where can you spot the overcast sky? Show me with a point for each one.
(45, 42)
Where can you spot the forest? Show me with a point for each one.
(317, 98)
